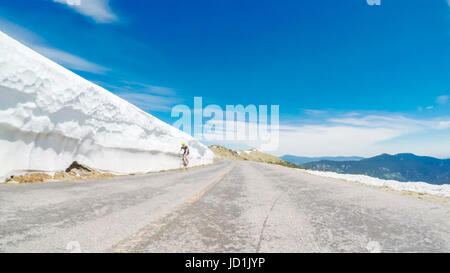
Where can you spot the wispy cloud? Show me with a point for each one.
(153, 89)
(314, 112)
(151, 98)
(442, 100)
(357, 133)
(99, 10)
(149, 102)
(69, 60)
(397, 122)
(366, 135)
(38, 44)
(19, 33)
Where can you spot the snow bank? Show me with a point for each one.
(418, 187)
(50, 117)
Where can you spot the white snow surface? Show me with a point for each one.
(246, 151)
(50, 117)
(418, 187)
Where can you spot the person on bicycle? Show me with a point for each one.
(185, 150)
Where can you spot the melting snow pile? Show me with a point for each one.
(418, 187)
(50, 117)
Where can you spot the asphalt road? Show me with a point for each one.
(232, 206)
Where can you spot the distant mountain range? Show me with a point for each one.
(400, 167)
(300, 160)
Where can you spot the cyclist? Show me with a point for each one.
(185, 150)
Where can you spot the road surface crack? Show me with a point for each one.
(258, 247)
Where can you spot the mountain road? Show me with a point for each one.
(231, 206)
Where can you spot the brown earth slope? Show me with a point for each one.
(223, 153)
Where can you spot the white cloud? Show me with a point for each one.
(70, 2)
(367, 135)
(442, 100)
(149, 102)
(333, 140)
(147, 97)
(98, 10)
(19, 33)
(147, 88)
(36, 43)
(314, 112)
(350, 134)
(392, 121)
(160, 90)
(70, 61)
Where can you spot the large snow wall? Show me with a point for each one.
(50, 117)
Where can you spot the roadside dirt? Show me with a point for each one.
(75, 171)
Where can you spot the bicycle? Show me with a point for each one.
(184, 161)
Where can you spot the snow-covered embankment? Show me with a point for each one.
(50, 117)
(417, 187)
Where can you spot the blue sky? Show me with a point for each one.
(350, 79)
